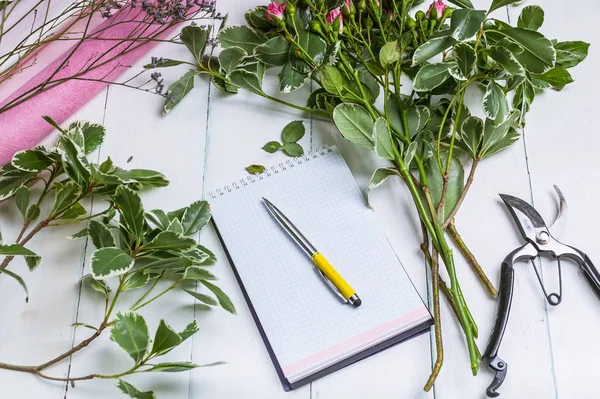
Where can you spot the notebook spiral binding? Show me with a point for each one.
(290, 163)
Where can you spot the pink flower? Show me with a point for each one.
(439, 6)
(348, 4)
(388, 13)
(332, 16)
(275, 12)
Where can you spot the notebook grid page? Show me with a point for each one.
(298, 312)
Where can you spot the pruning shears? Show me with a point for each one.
(539, 242)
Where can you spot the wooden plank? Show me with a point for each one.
(174, 145)
(35, 332)
(561, 134)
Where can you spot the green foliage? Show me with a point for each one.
(290, 136)
(255, 169)
(135, 251)
(178, 90)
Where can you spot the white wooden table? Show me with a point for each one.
(210, 138)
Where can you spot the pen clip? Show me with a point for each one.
(331, 286)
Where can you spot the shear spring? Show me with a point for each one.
(553, 299)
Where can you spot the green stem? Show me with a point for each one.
(157, 296)
(148, 291)
(298, 107)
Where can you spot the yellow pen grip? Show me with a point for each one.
(323, 264)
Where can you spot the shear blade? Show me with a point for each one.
(527, 218)
(558, 226)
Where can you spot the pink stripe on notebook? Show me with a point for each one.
(368, 338)
(22, 127)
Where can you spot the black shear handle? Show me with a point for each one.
(590, 272)
(505, 296)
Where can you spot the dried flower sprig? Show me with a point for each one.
(358, 50)
(135, 250)
(149, 20)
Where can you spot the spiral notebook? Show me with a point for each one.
(308, 332)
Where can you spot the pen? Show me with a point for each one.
(331, 277)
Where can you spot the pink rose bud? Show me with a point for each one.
(332, 16)
(275, 12)
(439, 7)
(348, 4)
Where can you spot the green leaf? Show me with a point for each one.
(368, 81)
(384, 146)
(494, 133)
(174, 262)
(431, 48)
(496, 4)
(355, 124)
(93, 134)
(146, 178)
(97, 285)
(19, 280)
(224, 85)
(332, 80)
(33, 262)
(380, 175)
(210, 301)
(178, 90)
(417, 118)
(495, 103)
(11, 179)
(507, 60)
(255, 169)
(274, 52)
(240, 36)
(137, 280)
(465, 23)
(532, 17)
(175, 226)
(171, 241)
(66, 196)
(73, 212)
(230, 58)
(197, 273)
(131, 210)
(158, 218)
(256, 18)
(165, 339)
(100, 235)
(390, 53)
(189, 330)
(165, 63)
(313, 45)
(471, 134)
(290, 79)
(410, 153)
(558, 77)
(271, 147)
(33, 213)
(455, 183)
(172, 367)
(194, 38)
(510, 138)
(246, 80)
(431, 76)
(195, 217)
(465, 58)
(293, 149)
(462, 3)
(205, 256)
(31, 160)
(130, 332)
(293, 132)
(75, 163)
(538, 54)
(22, 197)
(569, 54)
(133, 392)
(223, 299)
(109, 262)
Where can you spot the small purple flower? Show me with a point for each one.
(439, 7)
(275, 12)
(332, 16)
